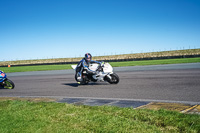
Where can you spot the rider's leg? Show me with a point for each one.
(79, 75)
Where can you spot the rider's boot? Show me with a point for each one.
(79, 79)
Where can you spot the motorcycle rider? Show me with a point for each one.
(84, 65)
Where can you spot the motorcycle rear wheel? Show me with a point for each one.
(8, 84)
(84, 82)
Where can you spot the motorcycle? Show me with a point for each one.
(5, 82)
(104, 73)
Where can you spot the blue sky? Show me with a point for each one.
(40, 29)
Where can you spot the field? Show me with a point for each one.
(114, 64)
(40, 117)
(169, 54)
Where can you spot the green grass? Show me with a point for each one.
(114, 64)
(24, 116)
(155, 62)
(35, 68)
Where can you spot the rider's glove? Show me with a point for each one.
(102, 63)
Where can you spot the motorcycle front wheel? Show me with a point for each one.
(8, 84)
(114, 79)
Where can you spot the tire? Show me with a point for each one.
(115, 79)
(1, 86)
(82, 82)
(9, 84)
(76, 77)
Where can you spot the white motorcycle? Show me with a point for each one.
(104, 73)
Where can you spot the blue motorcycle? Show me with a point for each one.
(5, 82)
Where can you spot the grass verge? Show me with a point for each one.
(155, 62)
(114, 64)
(24, 116)
(35, 68)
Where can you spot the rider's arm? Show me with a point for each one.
(85, 66)
(93, 61)
(101, 63)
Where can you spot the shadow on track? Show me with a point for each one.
(89, 84)
(71, 84)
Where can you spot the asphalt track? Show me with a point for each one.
(179, 83)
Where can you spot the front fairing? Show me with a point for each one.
(3, 76)
(107, 68)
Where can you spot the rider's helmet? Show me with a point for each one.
(88, 57)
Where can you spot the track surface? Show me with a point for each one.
(177, 82)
